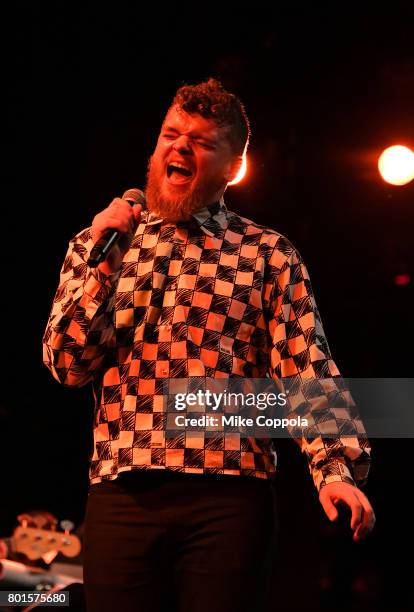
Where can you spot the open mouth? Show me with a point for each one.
(178, 173)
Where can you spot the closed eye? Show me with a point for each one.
(206, 145)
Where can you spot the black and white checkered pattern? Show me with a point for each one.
(219, 296)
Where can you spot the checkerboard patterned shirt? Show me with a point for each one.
(220, 297)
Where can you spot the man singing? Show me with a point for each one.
(191, 289)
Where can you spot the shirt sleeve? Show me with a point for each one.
(334, 440)
(80, 329)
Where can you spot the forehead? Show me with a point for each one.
(193, 124)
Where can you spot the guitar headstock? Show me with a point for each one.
(35, 543)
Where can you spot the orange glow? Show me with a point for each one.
(396, 165)
(241, 173)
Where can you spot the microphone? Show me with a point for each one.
(105, 243)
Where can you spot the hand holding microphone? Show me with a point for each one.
(113, 229)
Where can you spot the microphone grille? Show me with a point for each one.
(135, 196)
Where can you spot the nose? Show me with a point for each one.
(182, 144)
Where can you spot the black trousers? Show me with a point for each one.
(162, 541)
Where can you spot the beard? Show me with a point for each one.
(174, 208)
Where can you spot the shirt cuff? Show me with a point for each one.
(332, 471)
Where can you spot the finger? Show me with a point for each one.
(102, 225)
(365, 503)
(330, 509)
(119, 203)
(357, 512)
(363, 529)
(131, 213)
(137, 212)
(120, 224)
(368, 518)
(360, 533)
(120, 207)
(112, 212)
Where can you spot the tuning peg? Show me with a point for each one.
(23, 519)
(67, 526)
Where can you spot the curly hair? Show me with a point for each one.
(210, 100)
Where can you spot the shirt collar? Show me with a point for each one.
(211, 219)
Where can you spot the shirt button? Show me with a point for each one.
(164, 371)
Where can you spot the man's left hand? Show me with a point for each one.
(362, 518)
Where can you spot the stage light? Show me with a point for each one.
(396, 165)
(241, 173)
(402, 279)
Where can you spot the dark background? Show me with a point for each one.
(326, 92)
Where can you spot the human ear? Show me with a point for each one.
(234, 168)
